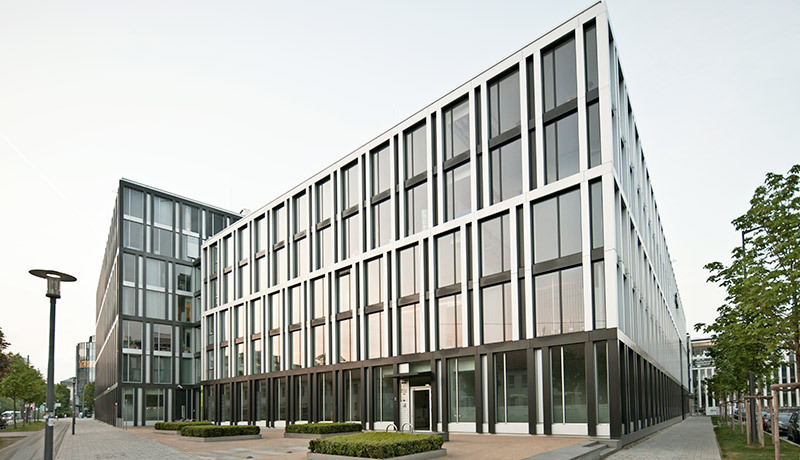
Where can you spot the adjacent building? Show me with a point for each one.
(84, 368)
(147, 314)
(495, 263)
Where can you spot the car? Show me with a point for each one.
(792, 428)
(2, 424)
(783, 421)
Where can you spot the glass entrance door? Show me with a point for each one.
(421, 408)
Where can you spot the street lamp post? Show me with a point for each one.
(74, 379)
(54, 280)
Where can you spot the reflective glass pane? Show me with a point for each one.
(572, 299)
(456, 130)
(417, 209)
(457, 192)
(506, 170)
(450, 322)
(409, 281)
(448, 259)
(504, 111)
(547, 304)
(416, 151)
(569, 220)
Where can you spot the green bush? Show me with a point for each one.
(376, 445)
(176, 426)
(214, 431)
(323, 428)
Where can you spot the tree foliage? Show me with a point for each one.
(88, 397)
(23, 383)
(5, 358)
(761, 315)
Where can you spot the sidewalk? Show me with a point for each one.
(691, 439)
(96, 440)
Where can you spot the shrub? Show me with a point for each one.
(214, 431)
(323, 428)
(176, 426)
(376, 445)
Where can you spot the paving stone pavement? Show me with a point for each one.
(94, 440)
(253, 452)
(691, 439)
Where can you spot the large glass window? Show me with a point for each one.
(154, 404)
(295, 304)
(381, 171)
(345, 340)
(318, 298)
(601, 381)
(275, 310)
(504, 112)
(593, 131)
(132, 235)
(497, 313)
(296, 345)
(255, 356)
(184, 308)
(325, 401)
(375, 333)
(569, 383)
(162, 337)
(495, 245)
(319, 345)
(456, 129)
(162, 211)
(417, 218)
(557, 227)
(352, 395)
(162, 242)
(599, 294)
(133, 203)
(559, 75)
(162, 369)
(324, 255)
(279, 224)
(350, 186)
(301, 390)
(224, 364)
(275, 353)
(412, 338)
(281, 398)
(407, 271)
(461, 379)
(559, 302)
(132, 334)
(131, 368)
(301, 259)
(375, 281)
(324, 200)
(561, 148)
(300, 221)
(129, 268)
(457, 200)
(128, 301)
(416, 151)
(448, 259)
(590, 48)
(596, 213)
(191, 218)
(280, 264)
(511, 387)
(506, 170)
(155, 304)
(383, 394)
(156, 273)
(381, 223)
(256, 315)
(343, 298)
(351, 237)
(450, 329)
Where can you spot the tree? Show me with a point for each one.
(61, 396)
(88, 397)
(23, 383)
(5, 358)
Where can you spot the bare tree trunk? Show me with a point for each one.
(747, 403)
(760, 417)
(775, 437)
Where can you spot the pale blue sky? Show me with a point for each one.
(233, 103)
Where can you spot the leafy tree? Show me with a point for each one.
(61, 396)
(88, 397)
(23, 383)
(5, 358)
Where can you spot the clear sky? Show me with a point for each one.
(232, 103)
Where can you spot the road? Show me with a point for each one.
(32, 447)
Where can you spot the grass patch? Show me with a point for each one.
(176, 426)
(31, 426)
(213, 431)
(734, 444)
(1, 443)
(323, 428)
(376, 445)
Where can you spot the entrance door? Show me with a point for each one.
(421, 409)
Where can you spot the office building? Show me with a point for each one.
(147, 314)
(495, 263)
(84, 368)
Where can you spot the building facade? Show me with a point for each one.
(147, 314)
(495, 264)
(84, 368)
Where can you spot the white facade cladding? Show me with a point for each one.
(500, 249)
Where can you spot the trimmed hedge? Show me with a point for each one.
(376, 444)
(323, 428)
(214, 431)
(176, 426)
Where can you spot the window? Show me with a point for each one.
(155, 304)
(593, 127)
(300, 221)
(255, 356)
(450, 328)
(448, 259)
(239, 357)
(156, 273)
(214, 223)
(278, 224)
(506, 170)
(242, 281)
(162, 242)
(184, 278)
(210, 330)
(557, 227)
(351, 237)
(461, 378)
(318, 297)
(223, 329)
(352, 395)
(343, 298)
(324, 255)
(325, 400)
(375, 335)
(280, 266)
(596, 213)
(324, 200)
(457, 200)
(416, 151)
(132, 235)
(417, 218)
(191, 247)
(295, 304)
(162, 211)
(162, 337)
(559, 77)
(407, 271)
(128, 301)
(318, 343)
(301, 260)
(412, 333)
(511, 387)
(559, 302)
(599, 294)
(210, 363)
(568, 371)
(601, 380)
(350, 187)
(275, 353)
(259, 234)
(129, 268)
(375, 289)
(345, 340)
(243, 244)
(383, 394)
(561, 148)
(131, 334)
(191, 218)
(133, 204)
(184, 309)
(381, 223)
(187, 340)
(301, 390)
(496, 313)
(456, 129)
(504, 112)
(131, 368)
(590, 48)
(495, 245)
(381, 172)
(162, 369)
(238, 321)
(223, 362)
